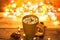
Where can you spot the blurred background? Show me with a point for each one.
(12, 11)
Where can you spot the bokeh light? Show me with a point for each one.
(14, 5)
(6, 14)
(56, 23)
(40, 9)
(58, 9)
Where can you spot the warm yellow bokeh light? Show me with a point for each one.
(12, 16)
(58, 9)
(41, 3)
(6, 14)
(21, 9)
(6, 10)
(53, 18)
(14, 5)
(29, 3)
(31, 7)
(52, 15)
(18, 14)
(26, 13)
(43, 18)
(56, 22)
(18, 9)
(10, 10)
